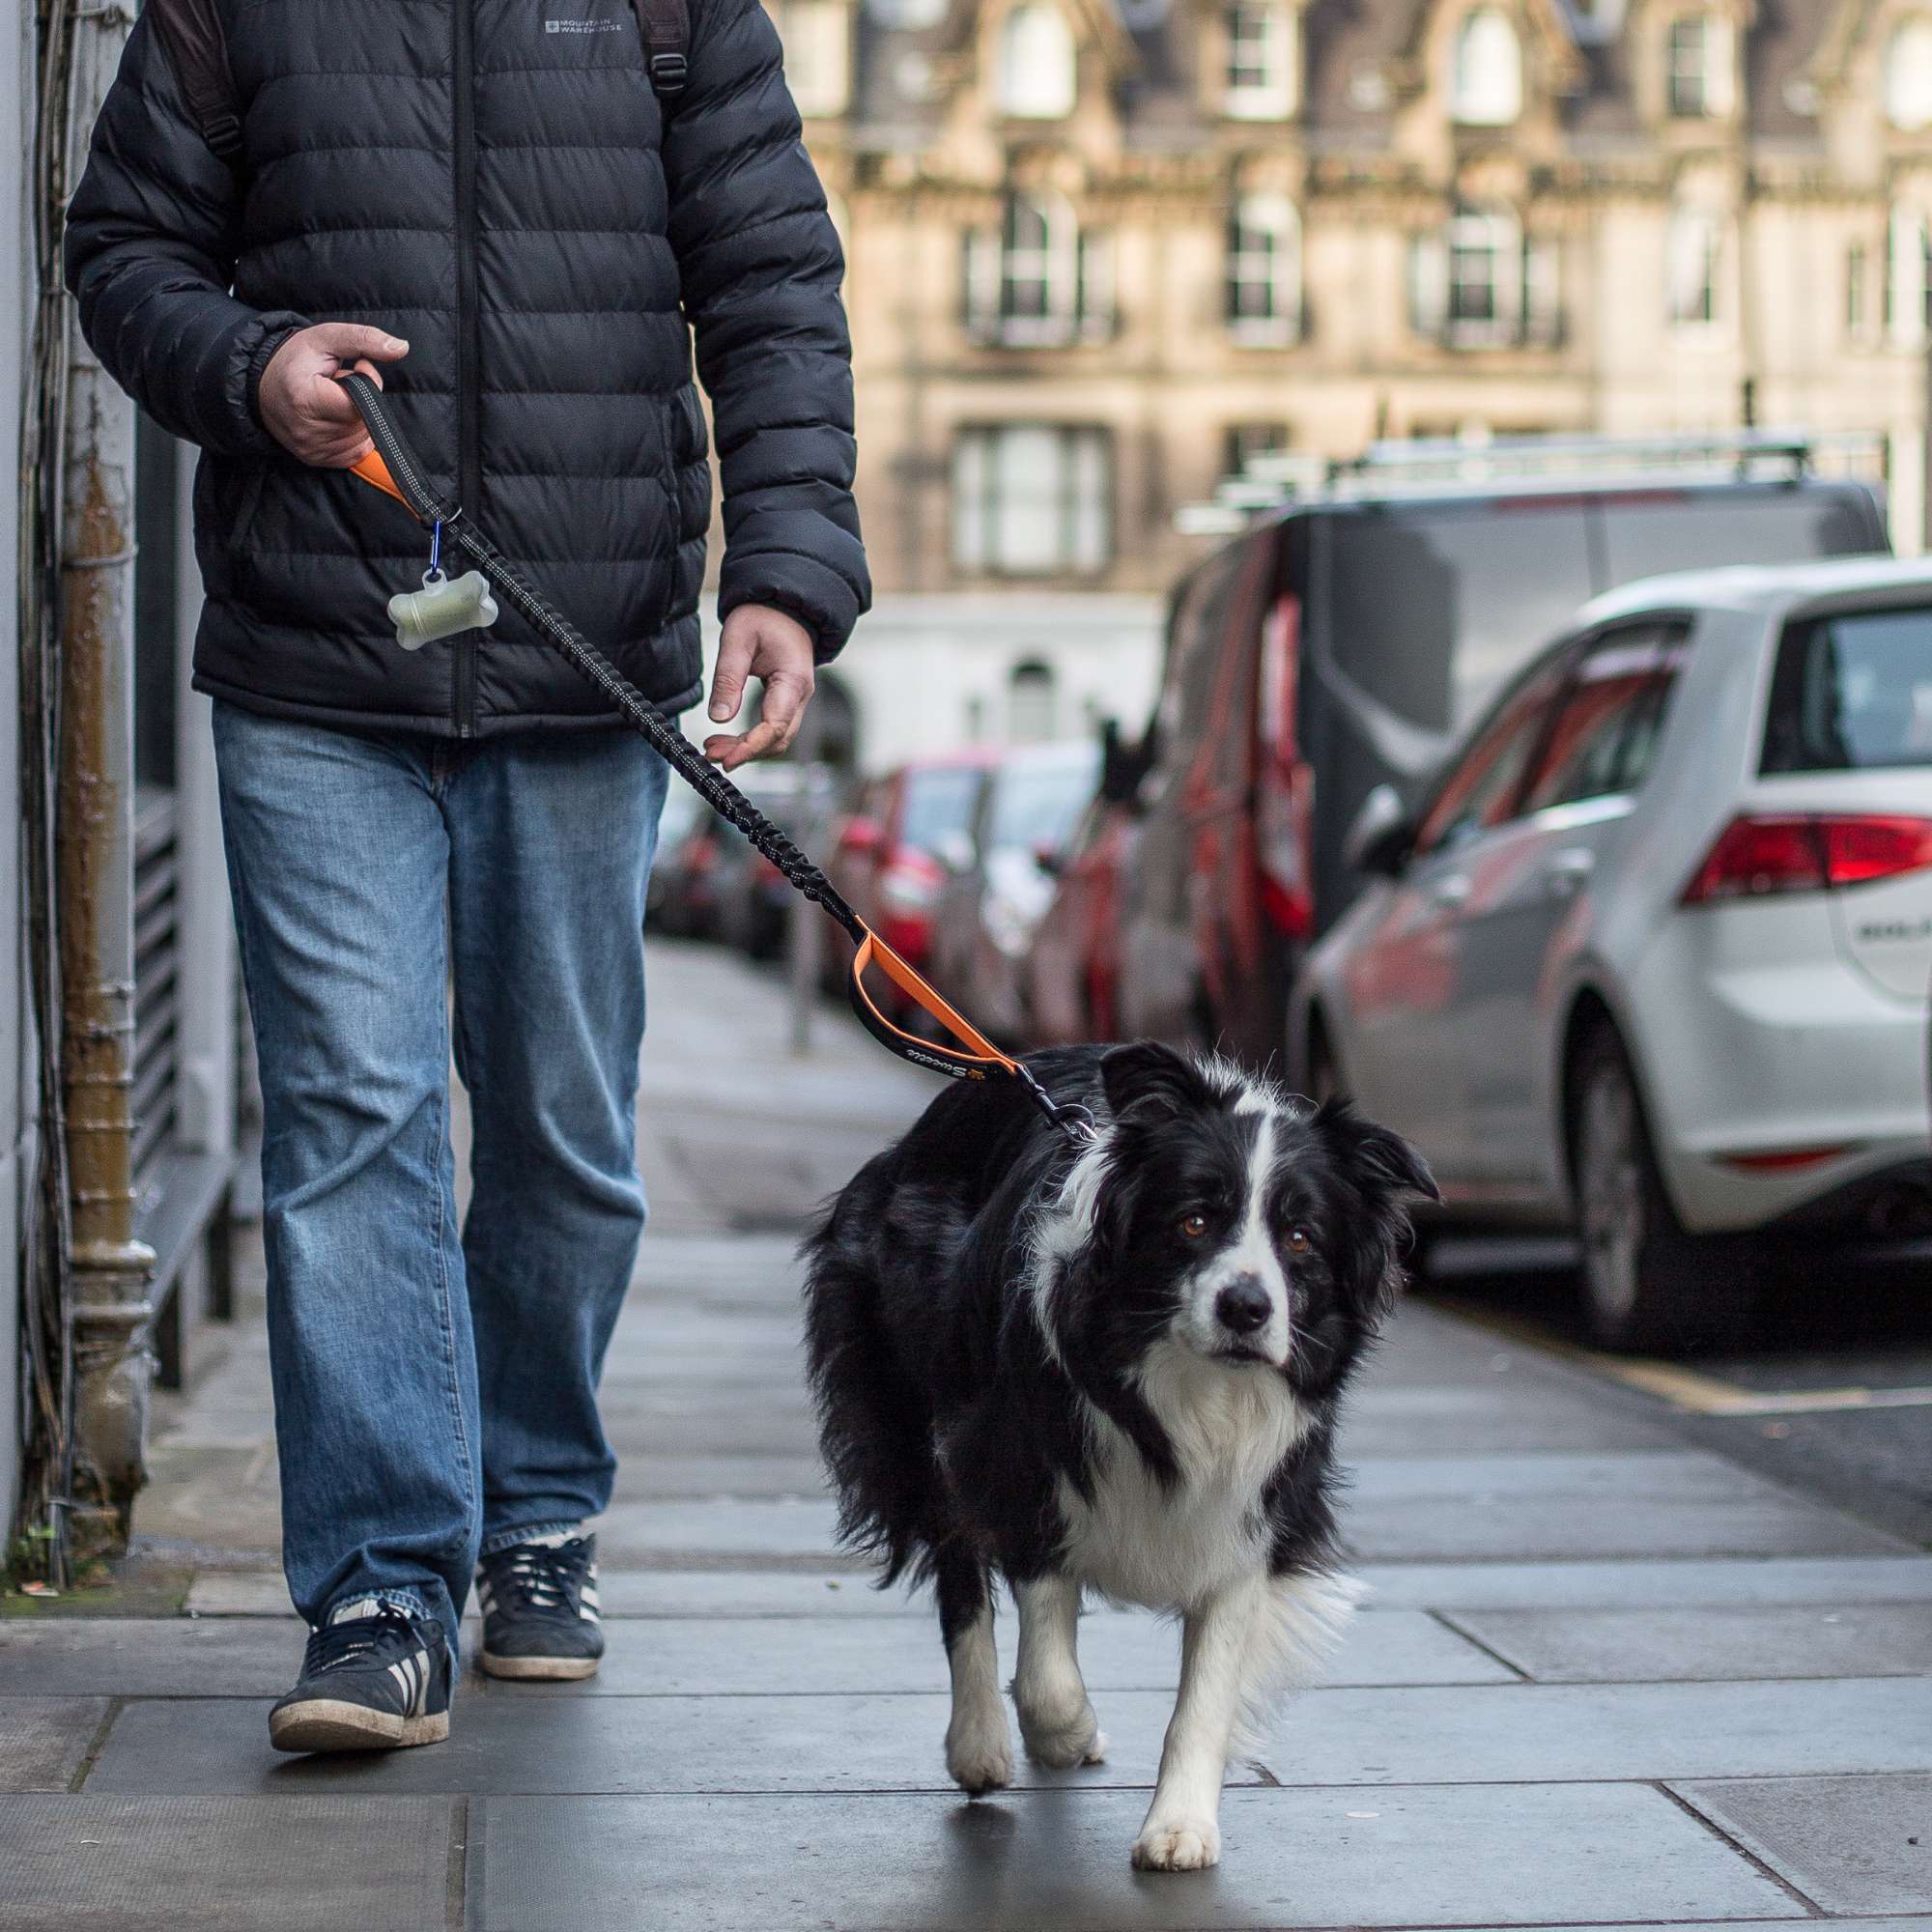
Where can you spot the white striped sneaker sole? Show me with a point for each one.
(554, 1669)
(334, 1725)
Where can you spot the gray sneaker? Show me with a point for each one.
(539, 1604)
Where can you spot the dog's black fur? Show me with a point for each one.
(950, 1419)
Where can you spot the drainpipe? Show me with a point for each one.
(111, 1314)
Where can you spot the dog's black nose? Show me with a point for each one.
(1243, 1305)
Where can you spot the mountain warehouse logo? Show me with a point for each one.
(583, 26)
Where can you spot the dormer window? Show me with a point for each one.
(1486, 83)
(1261, 61)
(1908, 75)
(1036, 77)
(1697, 80)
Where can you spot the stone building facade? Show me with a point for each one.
(1099, 250)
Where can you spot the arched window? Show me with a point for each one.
(1908, 75)
(1037, 280)
(1031, 702)
(1485, 286)
(1486, 88)
(1263, 268)
(1696, 242)
(1037, 63)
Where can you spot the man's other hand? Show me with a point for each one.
(763, 643)
(306, 408)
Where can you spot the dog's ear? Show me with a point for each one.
(1151, 1079)
(1373, 1155)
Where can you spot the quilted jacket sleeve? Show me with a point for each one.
(150, 252)
(760, 267)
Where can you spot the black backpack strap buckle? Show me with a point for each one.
(668, 72)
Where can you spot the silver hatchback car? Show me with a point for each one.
(1652, 960)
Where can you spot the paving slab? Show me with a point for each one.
(1628, 1646)
(43, 1741)
(1643, 1585)
(1556, 1525)
(1647, 1475)
(151, 1657)
(646, 1532)
(1059, 1860)
(298, 1865)
(1119, 1651)
(1849, 1844)
(507, 1744)
(1461, 1735)
(1418, 1421)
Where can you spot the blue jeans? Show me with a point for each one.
(436, 1393)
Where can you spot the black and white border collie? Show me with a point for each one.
(1111, 1368)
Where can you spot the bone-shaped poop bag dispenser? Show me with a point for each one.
(441, 608)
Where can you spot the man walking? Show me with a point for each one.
(489, 203)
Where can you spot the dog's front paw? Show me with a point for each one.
(1060, 1743)
(979, 1756)
(1178, 1844)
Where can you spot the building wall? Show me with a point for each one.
(17, 1078)
(1796, 161)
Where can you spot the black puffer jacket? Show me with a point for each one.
(495, 181)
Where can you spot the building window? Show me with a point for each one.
(1908, 75)
(1246, 442)
(1036, 77)
(1908, 283)
(1486, 87)
(1037, 281)
(1032, 500)
(818, 58)
(1264, 269)
(1695, 245)
(1858, 292)
(1481, 283)
(1697, 81)
(1033, 707)
(1261, 59)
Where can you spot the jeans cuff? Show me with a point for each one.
(408, 1601)
(527, 1532)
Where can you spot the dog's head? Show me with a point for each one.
(1219, 1214)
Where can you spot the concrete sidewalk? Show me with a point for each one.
(1606, 1678)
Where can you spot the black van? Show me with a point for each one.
(1340, 645)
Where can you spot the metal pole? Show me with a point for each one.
(112, 1315)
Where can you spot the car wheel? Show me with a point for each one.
(1646, 1283)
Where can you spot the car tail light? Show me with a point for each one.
(1757, 855)
(1284, 794)
(1784, 1159)
(911, 883)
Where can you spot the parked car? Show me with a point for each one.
(1000, 878)
(885, 858)
(1651, 960)
(755, 900)
(1338, 648)
(1071, 977)
(692, 851)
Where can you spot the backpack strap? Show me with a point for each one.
(197, 46)
(666, 27)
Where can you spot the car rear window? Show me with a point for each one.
(1434, 606)
(1038, 805)
(937, 802)
(1851, 692)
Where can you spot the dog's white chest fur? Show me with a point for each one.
(1142, 1541)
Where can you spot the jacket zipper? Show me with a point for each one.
(468, 407)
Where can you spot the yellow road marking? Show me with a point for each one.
(1684, 1388)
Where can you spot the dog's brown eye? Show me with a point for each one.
(1299, 1242)
(1194, 1225)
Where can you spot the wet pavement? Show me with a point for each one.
(1610, 1676)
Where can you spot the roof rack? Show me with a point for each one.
(1274, 481)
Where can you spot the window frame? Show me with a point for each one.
(1014, 81)
(1271, 92)
(1275, 221)
(1919, 119)
(1076, 444)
